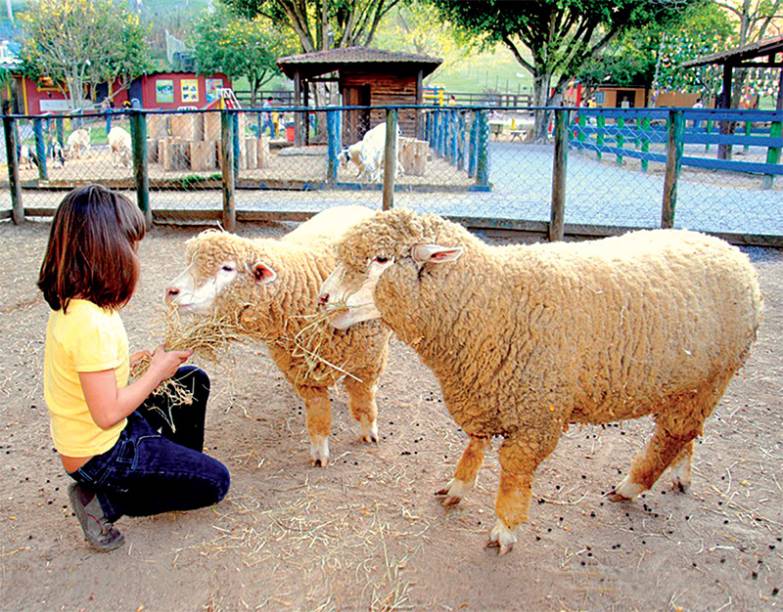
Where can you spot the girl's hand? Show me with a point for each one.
(139, 355)
(165, 363)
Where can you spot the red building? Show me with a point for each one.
(159, 90)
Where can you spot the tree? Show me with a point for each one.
(239, 47)
(633, 58)
(79, 44)
(559, 35)
(321, 24)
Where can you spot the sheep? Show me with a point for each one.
(78, 143)
(270, 286)
(526, 340)
(120, 145)
(57, 155)
(27, 157)
(367, 154)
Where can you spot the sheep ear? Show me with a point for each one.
(435, 253)
(264, 273)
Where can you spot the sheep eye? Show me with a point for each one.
(227, 268)
(381, 260)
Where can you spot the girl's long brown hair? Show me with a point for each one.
(91, 252)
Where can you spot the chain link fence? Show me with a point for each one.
(710, 170)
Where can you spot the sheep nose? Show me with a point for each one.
(171, 293)
(323, 299)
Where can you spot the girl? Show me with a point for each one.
(129, 452)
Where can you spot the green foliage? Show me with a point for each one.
(321, 24)
(239, 47)
(79, 44)
(631, 59)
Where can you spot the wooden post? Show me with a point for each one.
(419, 85)
(390, 159)
(620, 142)
(599, 137)
(40, 148)
(708, 131)
(557, 214)
(332, 145)
(673, 166)
(138, 126)
(298, 136)
(645, 142)
(773, 153)
(58, 128)
(724, 150)
(11, 138)
(227, 164)
(482, 152)
(748, 132)
(472, 145)
(108, 121)
(235, 141)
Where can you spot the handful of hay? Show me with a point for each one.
(208, 337)
(308, 342)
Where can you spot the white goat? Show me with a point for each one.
(120, 145)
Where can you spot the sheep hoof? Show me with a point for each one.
(625, 491)
(454, 491)
(502, 538)
(450, 500)
(319, 452)
(680, 486)
(368, 432)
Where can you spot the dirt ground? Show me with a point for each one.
(367, 532)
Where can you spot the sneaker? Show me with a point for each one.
(102, 534)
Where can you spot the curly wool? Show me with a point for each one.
(277, 312)
(548, 334)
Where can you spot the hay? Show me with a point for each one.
(308, 343)
(209, 337)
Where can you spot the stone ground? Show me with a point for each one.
(367, 533)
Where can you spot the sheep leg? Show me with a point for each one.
(519, 458)
(681, 468)
(676, 427)
(648, 465)
(361, 402)
(466, 473)
(318, 412)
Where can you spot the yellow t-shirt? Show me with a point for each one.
(86, 339)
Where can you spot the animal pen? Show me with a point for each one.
(601, 172)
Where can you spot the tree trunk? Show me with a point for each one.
(541, 85)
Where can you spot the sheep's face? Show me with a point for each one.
(218, 263)
(351, 289)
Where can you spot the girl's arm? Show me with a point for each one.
(108, 405)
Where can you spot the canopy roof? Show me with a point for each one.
(740, 56)
(356, 59)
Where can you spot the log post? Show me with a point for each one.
(333, 145)
(773, 153)
(138, 126)
(482, 150)
(227, 165)
(390, 159)
(560, 163)
(674, 148)
(40, 148)
(11, 138)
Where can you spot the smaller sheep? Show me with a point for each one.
(78, 143)
(57, 155)
(353, 154)
(120, 145)
(526, 340)
(269, 287)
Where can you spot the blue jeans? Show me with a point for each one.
(157, 464)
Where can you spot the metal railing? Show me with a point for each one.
(598, 172)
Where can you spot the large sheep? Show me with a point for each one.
(270, 287)
(527, 339)
(120, 145)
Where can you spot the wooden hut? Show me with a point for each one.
(365, 77)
